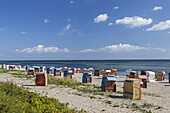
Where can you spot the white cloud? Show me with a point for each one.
(122, 48)
(1, 29)
(116, 48)
(134, 21)
(160, 49)
(46, 21)
(157, 8)
(116, 7)
(68, 19)
(42, 49)
(77, 32)
(169, 32)
(101, 18)
(66, 28)
(88, 50)
(71, 2)
(160, 26)
(23, 32)
(110, 24)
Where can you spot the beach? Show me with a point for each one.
(155, 97)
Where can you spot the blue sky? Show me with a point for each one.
(84, 29)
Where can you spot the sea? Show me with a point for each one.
(121, 65)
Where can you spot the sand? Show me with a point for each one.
(98, 104)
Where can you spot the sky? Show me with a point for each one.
(84, 29)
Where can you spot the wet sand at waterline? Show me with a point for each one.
(155, 98)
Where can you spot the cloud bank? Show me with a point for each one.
(160, 26)
(121, 48)
(116, 48)
(135, 21)
(42, 49)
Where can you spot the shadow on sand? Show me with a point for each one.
(119, 81)
(115, 96)
(163, 82)
(97, 78)
(28, 85)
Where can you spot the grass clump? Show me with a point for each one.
(16, 99)
(119, 92)
(144, 107)
(108, 102)
(92, 97)
(4, 71)
(90, 90)
(79, 94)
(116, 105)
(65, 82)
(149, 94)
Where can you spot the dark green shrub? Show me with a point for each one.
(15, 99)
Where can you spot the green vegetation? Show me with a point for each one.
(90, 90)
(149, 94)
(144, 107)
(119, 92)
(4, 70)
(92, 97)
(17, 73)
(16, 99)
(79, 94)
(7, 71)
(108, 102)
(116, 105)
(65, 82)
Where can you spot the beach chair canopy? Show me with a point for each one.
(115, 70)
(108, 71)
(31, 69)
(90, 69)
(37, 66)
(86, 74)
(133, 72)
(109, 78)
(142, 76)
(150, 73)
(69, 71)
(58, 69)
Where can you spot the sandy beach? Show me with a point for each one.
(155, 98)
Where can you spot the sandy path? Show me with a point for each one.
(99, 104)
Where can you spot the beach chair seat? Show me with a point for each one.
(132, 88)
(57, 72)
(96, 72)
(109, 84)
(87, 78)
(41, 79)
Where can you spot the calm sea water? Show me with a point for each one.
(121, 65)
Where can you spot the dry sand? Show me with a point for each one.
(98, 104)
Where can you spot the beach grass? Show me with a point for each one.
(149, 94)
(16, 99)
(65, 82)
